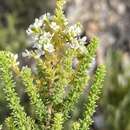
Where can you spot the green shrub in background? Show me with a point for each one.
(24, 10)
(11, 39)
(52, 84)
(15, 16)
(117, 91)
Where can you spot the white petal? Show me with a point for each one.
(49, 48)
(84, 39)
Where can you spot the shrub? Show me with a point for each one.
(52, 83)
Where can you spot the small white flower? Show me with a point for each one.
(82, 43)
(84, 39)
(49, 47)
(66, 21)
(45, 38)
(47, 35)
(29, 31)
(39, 53)
(24, 67)
(15, 57)
(74, 46)
(78, 30)
(37, 46)
(34, 38)
(75, 43)
(75, 29)
(82, 49)
(54, 26)
(38, 23)
(26, 54)
(45, 16)
(35, 26)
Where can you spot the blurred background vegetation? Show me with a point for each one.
(107, 19)
(15, 17)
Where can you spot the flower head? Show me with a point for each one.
(49, 47)
(54, 26)
(75, 30)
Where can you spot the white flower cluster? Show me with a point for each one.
(42, 40)
(75, 30)
(54, 26)
(78, 44)
(35, 28)
(14, 59)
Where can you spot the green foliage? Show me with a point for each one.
(52, 84)
(64, 76)
(35, 99)
(15, 16)
(18, 114)
(58, 121)
(75, 126)
(80, 79)
(92, 98)
(116, 101)
(25, 11)
(11, 39)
